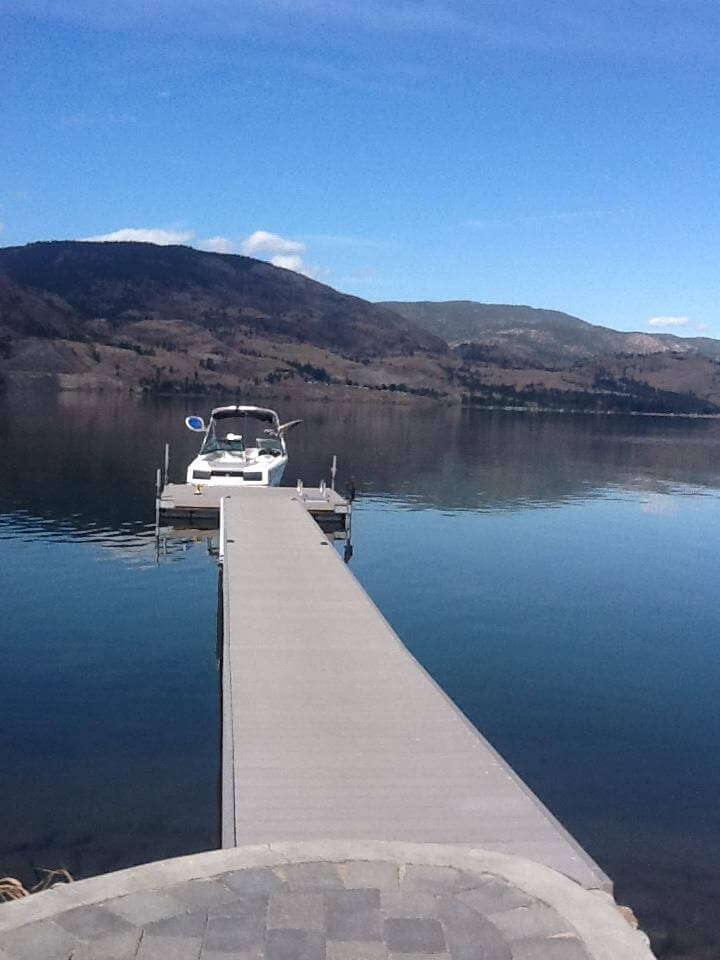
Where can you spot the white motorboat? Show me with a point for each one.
(232, 453)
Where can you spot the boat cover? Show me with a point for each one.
(257, 413)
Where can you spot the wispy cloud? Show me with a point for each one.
(417, 15)
(362, 278)
(97, 119)
(386, 76)
(344, 240)
(563, 217)
(668, 321)
(598, 25)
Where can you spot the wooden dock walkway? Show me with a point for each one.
(331, 729)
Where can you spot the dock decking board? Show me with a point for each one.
(332, 729)
(185, 498)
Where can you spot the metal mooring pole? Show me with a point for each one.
(158, 488)
(221, 533)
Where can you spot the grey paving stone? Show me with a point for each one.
(241, 907)
(92, 922)
(353, 915)
(229, 934)
(494, 895)
(549, 948)
(118, 946)
(356, 950)
(186, 925)
(414, 935)
(470, 936)
(254, 953)
(42, 940)
(537, 920)
(298, 910)
(369, 873)
(419, 956)
(253, 881)
(410, 903)
(467, 879)
(303, 876)
(168, 948)
(201, 893)
(419, 877)
(294, 945)
(145, 907)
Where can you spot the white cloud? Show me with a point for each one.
(217, 245)
(289, 262)
(164, 237)
(280, 251)
(145, 235)
(668, 321)
(262, 241)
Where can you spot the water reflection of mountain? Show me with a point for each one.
(453, 458)
(82, 461)
(88, 462)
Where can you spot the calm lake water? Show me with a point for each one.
(557, 575)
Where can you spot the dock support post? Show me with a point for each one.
(221, 533)
(333, 471)
(167, 463)
(158, 490)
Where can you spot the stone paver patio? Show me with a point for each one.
(339, 908)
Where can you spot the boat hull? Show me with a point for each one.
(226, 472)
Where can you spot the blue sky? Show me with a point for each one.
(562, 154)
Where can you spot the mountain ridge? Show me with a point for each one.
(87, 315)
(121, 282)
(562, 334)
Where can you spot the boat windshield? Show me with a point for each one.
(235, 434)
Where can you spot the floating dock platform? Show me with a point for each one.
(330, 728)
(190, 505)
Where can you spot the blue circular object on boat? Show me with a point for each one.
(195, 423)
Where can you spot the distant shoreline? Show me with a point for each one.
(48, 384)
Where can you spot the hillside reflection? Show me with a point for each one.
(85, 465)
